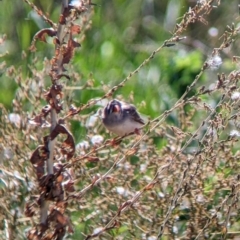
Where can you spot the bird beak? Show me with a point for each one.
(116, 109)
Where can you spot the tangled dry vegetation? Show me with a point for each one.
(173, 181)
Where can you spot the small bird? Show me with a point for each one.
(121, 118)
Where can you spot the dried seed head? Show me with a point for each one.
(214, 62)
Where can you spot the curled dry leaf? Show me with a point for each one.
(69, 50)
(63, 55)
(50, 189)
(63, 75)
(61, 220)
(38, 159)
(41, 35)
(54, 95)
(62, 19)
(68, 146)
(56, 42)
(46, 181)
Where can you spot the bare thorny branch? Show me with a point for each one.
(51, 182)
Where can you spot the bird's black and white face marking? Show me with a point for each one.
(113, 107)
(121, 118)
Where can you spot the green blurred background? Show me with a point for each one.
(122, 35)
